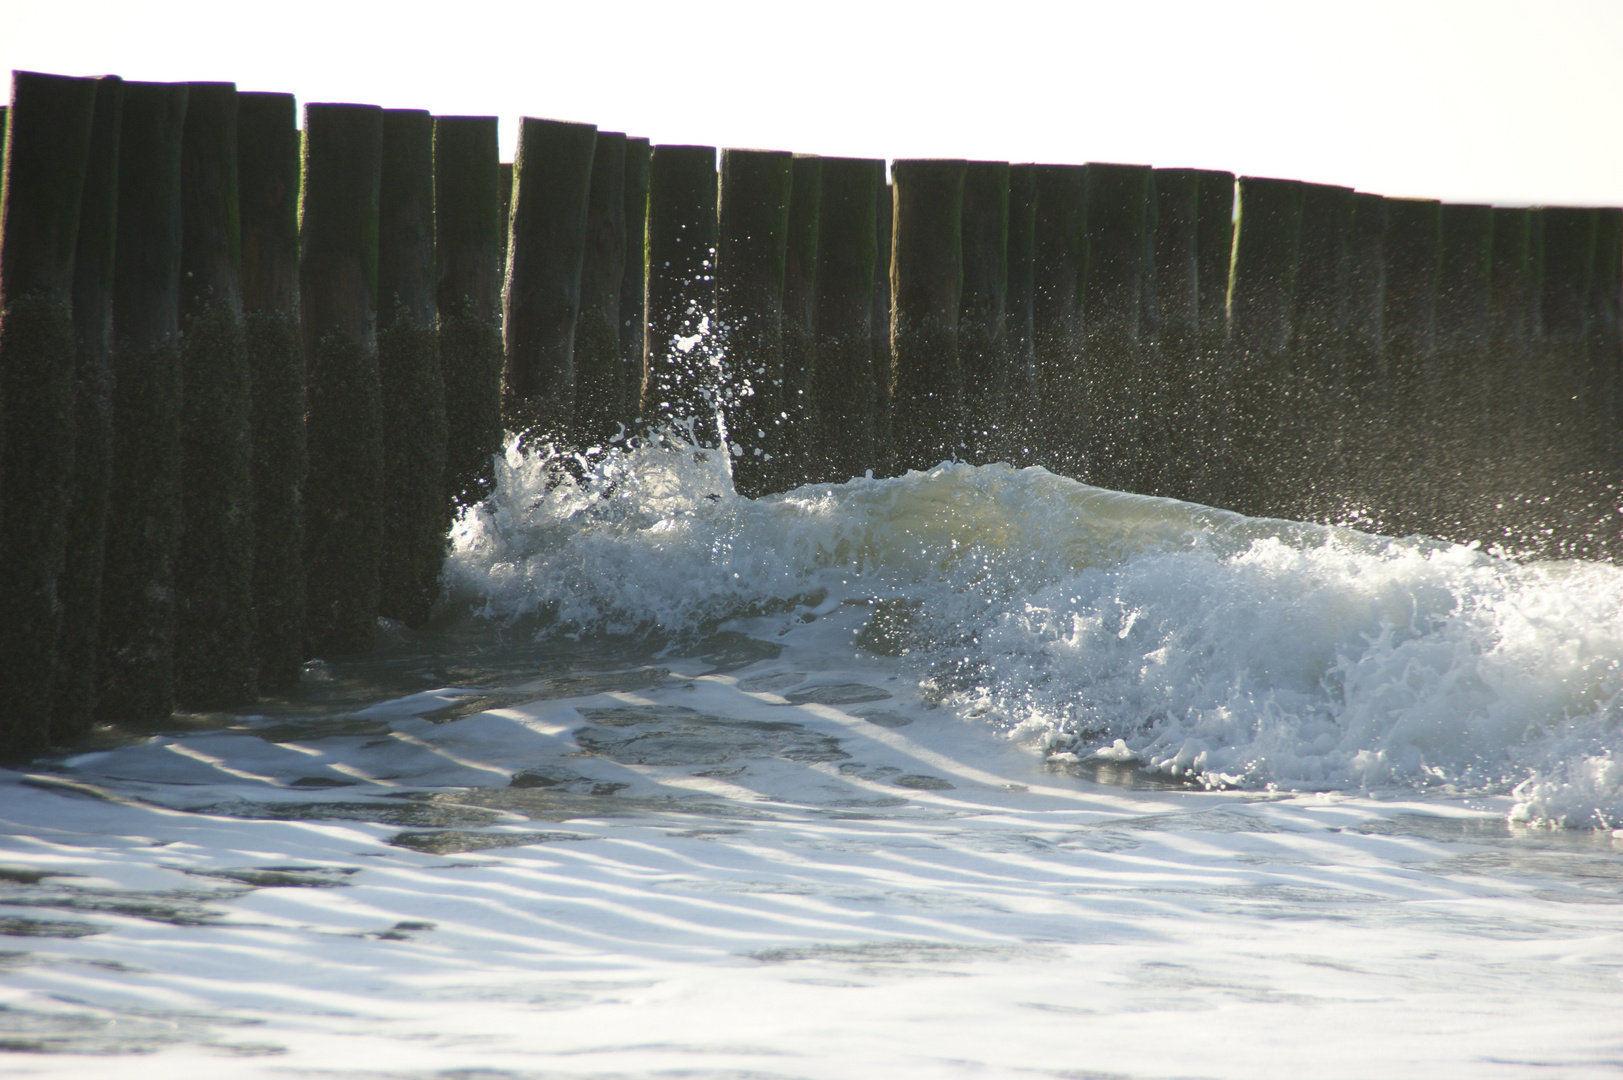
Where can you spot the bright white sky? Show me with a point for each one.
(1469, 100)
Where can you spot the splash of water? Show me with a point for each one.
(1091, 623)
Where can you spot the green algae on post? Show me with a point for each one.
(410, 381)
(268, 201)
(338, 273)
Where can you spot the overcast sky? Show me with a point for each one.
(1470, 101)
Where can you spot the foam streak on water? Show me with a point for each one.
(1200, 643)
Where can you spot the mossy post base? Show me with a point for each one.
(552, 177)
(1262, 292)
(216, 664)
(682, 367)
(48, 146)
(338, 274)
(410, 383)
(982, 326)
(751, 245)
(600, 377)
(844, 381)
(926, 270)
(74, 701)
(470, 227)
(268, 196)
(136, 664)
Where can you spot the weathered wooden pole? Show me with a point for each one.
(470, 230)
(338, 268)
(983, 338)
(1060, 256)
(268, 201)
(926, 273)
(682, 378)
(798, 419)
(1312, 433)
(600, 390)
(1176, 266)
(1510, 459)
(1409, 322)
(1021, 417)
(135, 668)
(1356, 496)
(505, 180)
(751, 243)
(552, 177)
(50, 124)
(1262, 287)
(1605, 385)
(1457, 497)
(1113, 357)
(845, 383)
(634, 279)
(410, 378)
(215, 659)
(79, 587)
(1214, 228)
(1561, 359)
(885, 213)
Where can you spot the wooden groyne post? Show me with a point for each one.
(268, 204)
(215, 662)
(1456, 402)
(1310, 443)
(1176, 266)
(600, 390)
(927, 383)
(470, 229)
(1059, 262)
(410, 379)
(1118, 368)
(844, 382)
(796, 446)
(634, 278)
(682, 377)
(552, 176)
(983, 339)
(136, 662)
(47, 146)
(1409, 327)
(338, 275)
(1262, 288)
(751, 246)
(73, 700)
(1021, 419)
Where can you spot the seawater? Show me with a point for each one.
(1092, 625)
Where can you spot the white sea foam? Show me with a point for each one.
(1197, 642)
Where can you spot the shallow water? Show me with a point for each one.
(969, 773)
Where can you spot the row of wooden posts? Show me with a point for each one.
(246, 378)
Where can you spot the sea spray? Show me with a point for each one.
(1199, 643)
